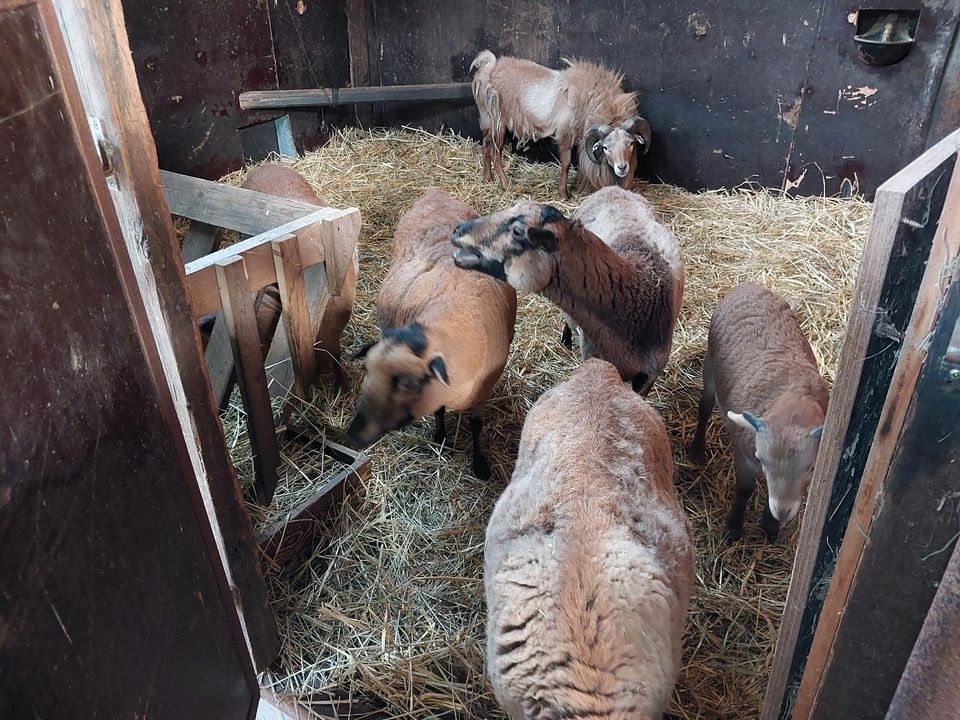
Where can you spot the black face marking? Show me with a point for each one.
(550, 214)
(411, 335)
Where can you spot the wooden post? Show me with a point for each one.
(100, 54)
(296, 313)
(241, 320)
(901, 237)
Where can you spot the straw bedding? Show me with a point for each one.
(389, 605)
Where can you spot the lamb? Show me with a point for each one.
(286, 182)
(588, 562)
(614, 270)
(583, 104)
(446, 332)
(761, 371)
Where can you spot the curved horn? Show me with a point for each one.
(639, 127)
(594, 137)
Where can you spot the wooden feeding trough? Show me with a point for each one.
(305, 251)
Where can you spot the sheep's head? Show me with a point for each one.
(786, 453)
(399, 385)
(517, 245)
(615, 145)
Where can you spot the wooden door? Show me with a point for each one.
(113, 600)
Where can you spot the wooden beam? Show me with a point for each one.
(201, 240)
(946, 245)
(314, 232)
(904, 218)
(296, 313)
(99, 50)
(281, 541)
(240, 317)
(246, 211)
(323, 97)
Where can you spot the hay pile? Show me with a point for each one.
(390, 608)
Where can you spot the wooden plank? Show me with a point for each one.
(883, 304)
(930, 685)
(240, 317)
(946, 245)
(247, 211)
(358, 13)
(201, 240)
(280, 542)
(322, 97)
(106, 546)
(297, 324)
(100, 53)
(313, 231)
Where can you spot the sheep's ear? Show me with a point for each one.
(362, 352)
(816, 433)
(747, 421)
(640, 129)
(542, 238)
(439, 369)
(594, 141)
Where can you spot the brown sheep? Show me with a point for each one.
(588, 561)
(584, 104)
(761, 371)
(274, 179)
(614, 270)
(446, 332)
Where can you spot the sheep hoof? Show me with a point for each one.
(771, 528)
(734, 533)
(481, 468)
(697, 454)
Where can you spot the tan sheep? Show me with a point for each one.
(588, 562)
(286, 182)
(584, 104)
(446, 332)
(761, 371)
(614, 269)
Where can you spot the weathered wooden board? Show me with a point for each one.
(320, 97)
(113, 600)
(901, 236)
(97, 43)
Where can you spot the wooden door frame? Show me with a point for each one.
(906, 212)
(125, 173)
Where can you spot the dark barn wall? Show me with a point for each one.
(772, 92)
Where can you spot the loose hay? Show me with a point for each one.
(390, 607)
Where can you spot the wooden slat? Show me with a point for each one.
(247, 211)
(101, 57)
(946, 245)
(240, 318)
(882, 299)
(296, 313)
(319, 97)
(358, 36)
(280, 542)
(314, 232)
(201, 240)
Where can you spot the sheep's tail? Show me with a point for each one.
(483, 62)
(485, 95)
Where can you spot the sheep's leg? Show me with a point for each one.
(746, 483)
(566, 336)
(439, 427)
(498, 157)
(487, 157)
(708, 399)
(769, 524)
(565, 152)
(481, 467)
